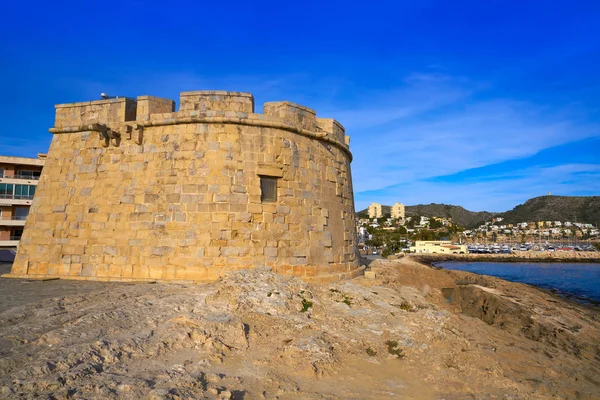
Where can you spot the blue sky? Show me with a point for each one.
(483, 104)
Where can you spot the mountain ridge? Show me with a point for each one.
(585, 209)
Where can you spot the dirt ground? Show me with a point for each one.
(17, 292)
(413, 332)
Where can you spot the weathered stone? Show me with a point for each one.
(179, 196)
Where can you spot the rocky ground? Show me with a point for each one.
(411, 332)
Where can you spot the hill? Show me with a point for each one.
(584, 209)
(458, 214)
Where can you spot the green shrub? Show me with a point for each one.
(393, 349)
(306, 305)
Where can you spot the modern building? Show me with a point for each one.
(398, 211)
(438, 246)
(375, 210)
(18, 181)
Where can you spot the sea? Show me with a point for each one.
(577, 281)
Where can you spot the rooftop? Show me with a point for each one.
(41, 158)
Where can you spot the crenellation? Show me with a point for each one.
(218, 107)
(108, 112)
(148, 105)
(215, 100)
(292, 114)
(332, 128)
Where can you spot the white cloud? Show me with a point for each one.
(493, 195)
(472, 136)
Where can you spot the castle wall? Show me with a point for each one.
(93, 112)
(153, 194)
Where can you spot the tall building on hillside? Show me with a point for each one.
(375, 210)
(18, 180)
(398, 211)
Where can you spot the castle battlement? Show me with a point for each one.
(133, 190)
(118, 117)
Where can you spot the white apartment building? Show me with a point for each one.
(398, 211)
(375, 210)
(18, 180)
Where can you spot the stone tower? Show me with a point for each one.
(133, 190)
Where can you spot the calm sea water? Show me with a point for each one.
(581, 281)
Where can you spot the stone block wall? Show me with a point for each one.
(177, 196)
(333, 129)
(93, 112)
(292, 114)
(216, 100)
(147, 105)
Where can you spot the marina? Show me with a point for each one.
(497, 248)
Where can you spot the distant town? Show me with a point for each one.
(394, 232)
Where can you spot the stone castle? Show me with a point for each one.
(134, 191)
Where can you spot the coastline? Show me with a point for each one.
(519, 256)
(556, 292)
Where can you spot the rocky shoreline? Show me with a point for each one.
(518, 256)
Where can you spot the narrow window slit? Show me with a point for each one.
(268, 189)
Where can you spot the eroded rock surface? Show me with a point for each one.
(412, 332)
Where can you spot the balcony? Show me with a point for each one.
(12, 242)
(15, 196)
(18, 179)
(15, 199)
(19, 176)
(13, 220)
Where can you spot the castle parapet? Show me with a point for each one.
(148, 105)
(216, 100)
(333, 129)
(107, 115)
(108, 111)
(292, 114)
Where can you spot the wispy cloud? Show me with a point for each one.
(384, 110)
(476, 135)
(441, 126)
(493, 195)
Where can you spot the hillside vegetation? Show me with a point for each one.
(458, 214)
(584, 209)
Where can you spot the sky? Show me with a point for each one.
(482, 104)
